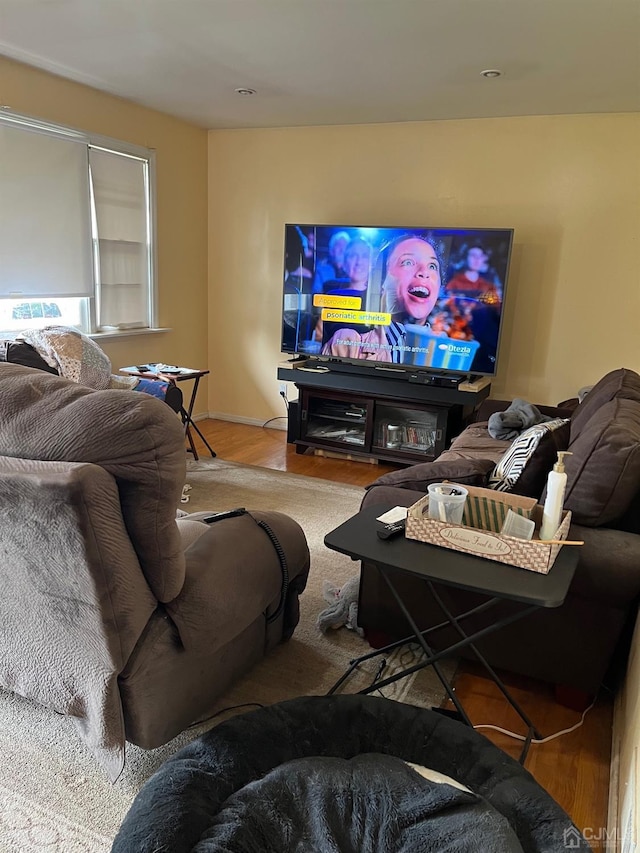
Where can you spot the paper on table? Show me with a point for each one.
(393, 515)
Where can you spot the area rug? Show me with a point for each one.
(54, 798)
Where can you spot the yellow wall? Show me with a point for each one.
(568, 185)
(181, 168)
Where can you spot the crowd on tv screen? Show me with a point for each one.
(396, 294)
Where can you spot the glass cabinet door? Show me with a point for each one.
(340, 421)
(407, 430)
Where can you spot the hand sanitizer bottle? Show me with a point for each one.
(556, 484)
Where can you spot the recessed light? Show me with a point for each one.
(244, 91)
(491, 72)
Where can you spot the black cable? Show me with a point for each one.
(224, 710)
(282, 557)
(277, 418)
(283, 567)
(283, 394)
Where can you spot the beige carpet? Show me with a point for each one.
(54, 798)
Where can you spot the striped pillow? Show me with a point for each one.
(510, 469)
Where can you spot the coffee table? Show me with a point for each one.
(358, 539)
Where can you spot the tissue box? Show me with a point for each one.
(479, 535)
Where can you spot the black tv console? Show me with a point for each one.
(378, 412)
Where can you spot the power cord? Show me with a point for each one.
(224, 711)
(283, 394)
(544, 739)
(277, 418)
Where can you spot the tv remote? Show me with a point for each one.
(218, 516)
(387, 531)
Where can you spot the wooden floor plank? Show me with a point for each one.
(573, 768)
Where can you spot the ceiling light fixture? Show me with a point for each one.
(491, 72)
(244, 91)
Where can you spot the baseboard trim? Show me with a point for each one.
(278, 422)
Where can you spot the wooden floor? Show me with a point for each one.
(573, 768)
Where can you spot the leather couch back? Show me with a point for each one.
(134, 437)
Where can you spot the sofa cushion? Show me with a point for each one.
(603, 472)
(525, 466)
(618, 384)
(467, 472)
(474, 442)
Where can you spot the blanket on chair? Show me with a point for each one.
(75, 356)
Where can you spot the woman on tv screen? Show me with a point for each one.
(427, 298)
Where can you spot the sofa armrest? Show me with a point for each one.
(74, 599)
(469, 472)
(233, 575)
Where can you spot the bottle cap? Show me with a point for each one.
(559, 466)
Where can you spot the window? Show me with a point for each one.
(76, 229)
(16, 315)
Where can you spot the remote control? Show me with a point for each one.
(218, 516)
(389, 530)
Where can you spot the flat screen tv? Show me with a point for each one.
(416, 298)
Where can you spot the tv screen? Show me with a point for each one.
(429, 298)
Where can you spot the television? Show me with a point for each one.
(411, 298)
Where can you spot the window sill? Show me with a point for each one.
(125, 333)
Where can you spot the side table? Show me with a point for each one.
(358, 538)
(174, 374)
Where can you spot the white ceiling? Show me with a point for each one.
(316, 62)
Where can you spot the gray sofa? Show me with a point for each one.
(113, 612)
(577, 644)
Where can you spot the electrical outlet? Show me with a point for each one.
(283, 388)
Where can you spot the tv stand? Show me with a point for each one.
(352, 411)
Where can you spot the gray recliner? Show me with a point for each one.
(110, 614)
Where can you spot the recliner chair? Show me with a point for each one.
(114, 612)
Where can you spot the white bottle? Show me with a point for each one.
(556, 484)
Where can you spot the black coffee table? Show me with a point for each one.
(358, 539)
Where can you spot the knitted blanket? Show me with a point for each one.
(74, 355)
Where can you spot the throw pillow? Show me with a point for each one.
(524, 467)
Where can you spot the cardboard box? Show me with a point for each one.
(531, 554)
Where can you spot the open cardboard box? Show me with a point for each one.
(531, 554)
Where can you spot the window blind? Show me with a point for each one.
(45, 222)
(122, 238)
